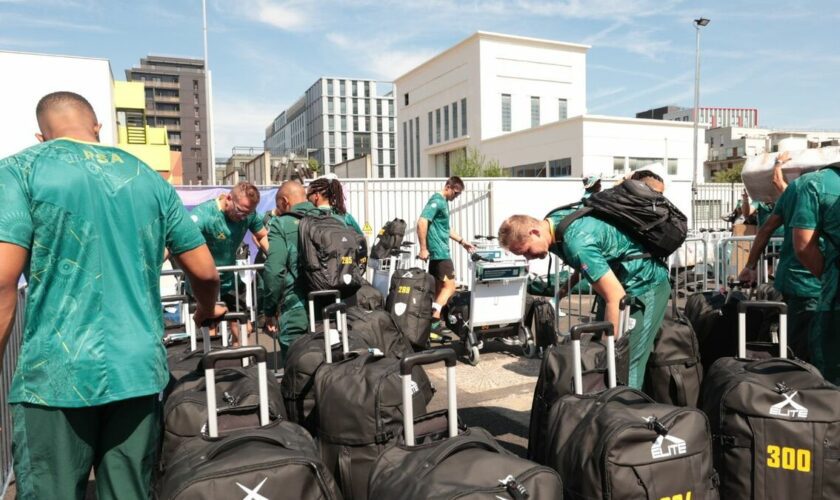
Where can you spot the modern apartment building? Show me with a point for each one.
(338, 119)
(175, 99)
(522, 102)
(708, 117)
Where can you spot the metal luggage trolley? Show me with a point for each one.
(498, 288)
(383, 269)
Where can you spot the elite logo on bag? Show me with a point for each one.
(255, 493)
(789, 408)
(676, 446)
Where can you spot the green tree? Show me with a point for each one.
(314, 166)
(729, 175)
(471, 163)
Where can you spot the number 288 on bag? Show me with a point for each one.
(783, 457)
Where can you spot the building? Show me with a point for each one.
(175, 99)
(729, 147)
(708, 117)
(522, 101)
(235, 165)
(338, 119)
(119, 106)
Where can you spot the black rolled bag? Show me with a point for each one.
(410, 301)
(275, 459)
(389, 239)
(436, 457)
(775, 421)
(674, 373)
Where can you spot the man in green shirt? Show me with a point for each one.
(608, 259)
(224, 221)
(433, 233)
(88, 225)
(817, 214)
(285, 294)
(800, 288)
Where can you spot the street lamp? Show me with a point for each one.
(698, 23)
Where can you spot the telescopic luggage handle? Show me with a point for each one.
(743, 306)
(426, 358)
(210, 360)
(340, 310)
(604, 328)
(205, 329)
(320, 293)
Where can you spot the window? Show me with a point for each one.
(505, 112)
(353, 88)
(341, 88)
(437, 125)
(355, 106)
(529, 170)
(637, 163)
(417, 142)
(405, 149)
(464, 116)
(198, 167)
(343, 106)
(196, 112)
(331, 140)
(329, 87)
(618, 165)
(411, 147)
(195, 85)
(330, 105)
(367, 89)
(197, 125)
(195, 98)
(406, 98)
(379, 106)
(361, 144)
(672, 166)
(390, 108)
(379, 124)
(343, 123)
(367, 123)
(535, 111)
(198, 139)
(355, 123)
(560, 168)
(563, 109)
(446, 123)
(430, 128)
(454, 120)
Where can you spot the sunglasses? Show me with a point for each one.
(239, 210)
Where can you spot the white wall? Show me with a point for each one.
(28, 77)
(524, 68)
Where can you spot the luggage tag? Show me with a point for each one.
(376, 352)
(335, 338)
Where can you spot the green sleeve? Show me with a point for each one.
(181, 234)
(582, 253)
(255, 223)
(351, 221)
(275, 266)
(807, 209)
(433, 206)
(200, 219)
(15, 218)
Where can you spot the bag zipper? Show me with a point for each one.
(512, 486)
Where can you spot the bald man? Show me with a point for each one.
(284, 291)
(88, 224)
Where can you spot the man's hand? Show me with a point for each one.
(201, 315)
(748, 276)
(469, 247)
(271, 324)
(424, 254)
(783, 158)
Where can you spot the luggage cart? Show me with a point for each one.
(496, 301)
(383, 269)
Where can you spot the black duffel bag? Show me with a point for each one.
(237, 458)
(389, 239)
(435, 457)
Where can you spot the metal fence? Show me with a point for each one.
(715, 201)
(9, 365)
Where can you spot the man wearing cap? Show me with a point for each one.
(610, 261)
(591, 185)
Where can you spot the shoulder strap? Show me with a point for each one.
(560, 230)
(296, 215)
(563, 207)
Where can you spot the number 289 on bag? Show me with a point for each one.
(783, 457)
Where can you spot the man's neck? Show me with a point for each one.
(548, 230)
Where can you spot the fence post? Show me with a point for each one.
(490, 218)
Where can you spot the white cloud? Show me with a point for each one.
(379, 57)
(286, 15)
(240, 121)
(598, 9)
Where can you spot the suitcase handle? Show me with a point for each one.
(602, 327)
(425, 358)
(800, 365)
(744, 306)
(210, 361)
(340, 311)
(319, 293)
(227, 444)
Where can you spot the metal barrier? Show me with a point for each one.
(732, 253)
(9, 364)
(715, 201)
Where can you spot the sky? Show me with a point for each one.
(782, 57)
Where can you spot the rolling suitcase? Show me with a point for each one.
(437, 458)
(255, 459)
(360, 409)
(674, 373)
(775, 422)
(556, 377)
(620, 444)
(410, 301)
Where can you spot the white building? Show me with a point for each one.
(338, 119)
(522, 101)
(32, 76)
(716, 117)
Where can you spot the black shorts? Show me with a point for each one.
(442, 270)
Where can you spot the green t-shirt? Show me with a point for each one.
(436, 212)
(594, 247)
(346, 218)
(792, 278)
(818, 208)
(95, 220)
(223, 236)
(763, 211)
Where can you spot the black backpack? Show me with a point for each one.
(541, 318)
(642, 213)
(331, 253)
(410, 301)
(389, 238)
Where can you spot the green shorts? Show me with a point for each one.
(55, 448)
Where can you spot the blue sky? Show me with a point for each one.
(782, 57)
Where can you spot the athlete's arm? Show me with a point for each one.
(13, 259)
(807, 247)
(610, 289)
(261, 239)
